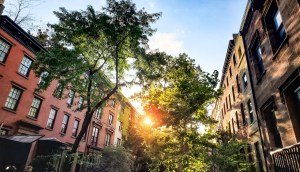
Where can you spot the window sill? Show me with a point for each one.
(29, 117)
(1, 63)
(62, 134)
(73, 137)
(260, 78)
(280, 47)
(49, 129)
(9, 110)
(26, 77)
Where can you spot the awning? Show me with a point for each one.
(23, 138)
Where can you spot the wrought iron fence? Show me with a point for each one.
(287, 159)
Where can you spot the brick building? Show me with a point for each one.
(270, 36)
(234, 109)
(34, 123)
(271, 32)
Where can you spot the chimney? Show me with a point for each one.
(1, 6)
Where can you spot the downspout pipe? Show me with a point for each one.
(254, 98)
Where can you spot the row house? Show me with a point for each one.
(39, 123)
(234, 109)
(265, 107)
(271, 33)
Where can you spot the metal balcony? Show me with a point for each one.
(287, 159)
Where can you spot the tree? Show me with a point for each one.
(115, 159)
(89, 52)
(19, 11)
(176, 92)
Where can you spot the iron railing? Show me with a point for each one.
(287, 159)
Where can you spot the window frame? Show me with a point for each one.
(95, 136)
(107, 139)
(58, 90)
(8, 50)
(17, 101)
(50, 119)
(75, 127)
(277, 36)
(37, 109)
(250, 111)
(26, 67)
(70, 99)
(110, 118)
(64, 126)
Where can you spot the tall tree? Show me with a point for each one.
(88, 47)
(19, 11)
(176, 93)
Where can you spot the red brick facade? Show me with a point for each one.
(17, 121)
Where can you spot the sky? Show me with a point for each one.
(199, 28)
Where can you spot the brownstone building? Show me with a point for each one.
(234, 109)
(34, 123)
(271, 32)
(270, 46)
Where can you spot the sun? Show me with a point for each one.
(148, 121)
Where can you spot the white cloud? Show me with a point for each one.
(167, 42)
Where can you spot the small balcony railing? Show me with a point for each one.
(287, 159)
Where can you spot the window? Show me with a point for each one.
(70, 98)
(250, 110)
(275, 28)
(58, 90)
(271, 123)
(230, 72)
(249, 151)
(43, 76)
(232, 121)
(238, 83)
(95, 134)
(290, 91)
(4, 48)
(256, 58)
(98, 114)
(237, 120)
(240, 52)
(233, 94)
(113, 103)
(258, 157)
(110, 118)
(35, 107)
(25, 66)
(234, 60)
(13, 98)
(227, 81)
(226, 103)
(80, 103)
(245, 82)
(75, 128)
(229, 101)
(64, 124)
(118, 141)
(243, 114)
(51, 119)
(107, 139)
(229, 127)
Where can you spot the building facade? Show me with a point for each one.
(267, 78)
(271, 33)
(46, 122)
(236, 105)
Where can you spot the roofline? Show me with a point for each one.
(26, 39)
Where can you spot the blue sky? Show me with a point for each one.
(200, 28)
